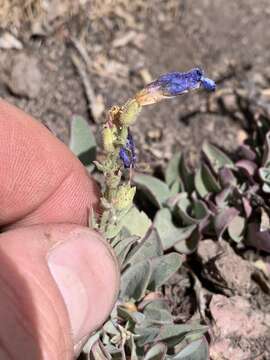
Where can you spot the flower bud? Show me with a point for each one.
(124, 197)
(130, 112)
(108, 139)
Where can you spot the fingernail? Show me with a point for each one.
(86, 274)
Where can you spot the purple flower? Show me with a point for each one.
(173, 84)
(127, 152)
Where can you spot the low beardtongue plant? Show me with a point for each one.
(223, 198)
(141, 325)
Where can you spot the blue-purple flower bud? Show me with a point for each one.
(127, 152)
(208, 84)
(173, 84)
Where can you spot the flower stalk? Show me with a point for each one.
(119, 147)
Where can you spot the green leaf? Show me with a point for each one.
(186, 176)
(196, 350)
(149, 247)
(236, 228)
(174, 333)
(189, 245)
(191, 212)
(216, 157)
(136, 222)
(123, 248)
(156, 190)
(158, 316)
(134, 281)
(205, 182)
(163, 268)
(134, 317)
(172, 171)
(175, 188)
(82, 141)
(156, 352)
(168, 232)
(159, 303)
(147, 334)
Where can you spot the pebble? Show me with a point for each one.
(25, 78)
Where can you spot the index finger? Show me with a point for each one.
(41, 181)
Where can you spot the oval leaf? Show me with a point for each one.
(149, 247)
(174, 333)
(156, 352)
(82, 141)
(205, 182)
(236, 228)
(172, 171)
(134, 281)
(189, 245)
(136, 222)
(168, 232)
(163, 268)
(216, 157)
(196, 350)
(156, 190)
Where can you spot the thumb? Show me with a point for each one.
(58, 283)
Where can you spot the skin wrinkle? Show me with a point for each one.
(7, 290)
(5, 350)
(42, 202)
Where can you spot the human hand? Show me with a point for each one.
(58, 279)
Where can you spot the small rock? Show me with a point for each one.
(235, 317)
(258, 79)
(154, 135)
(224, 350)
(230, 103)
(226, 270)
(238, 328)
(25, 77)
(9, 41)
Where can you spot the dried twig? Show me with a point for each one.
(95, 103)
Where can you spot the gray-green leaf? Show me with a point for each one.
(196, 350)
(205, 182)
(134, 281)
(156, 352)
(149, 247)
(156, 190)
(172, 171)
(163, 268)
(82, 141)
(168, 232)
(216, 157)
